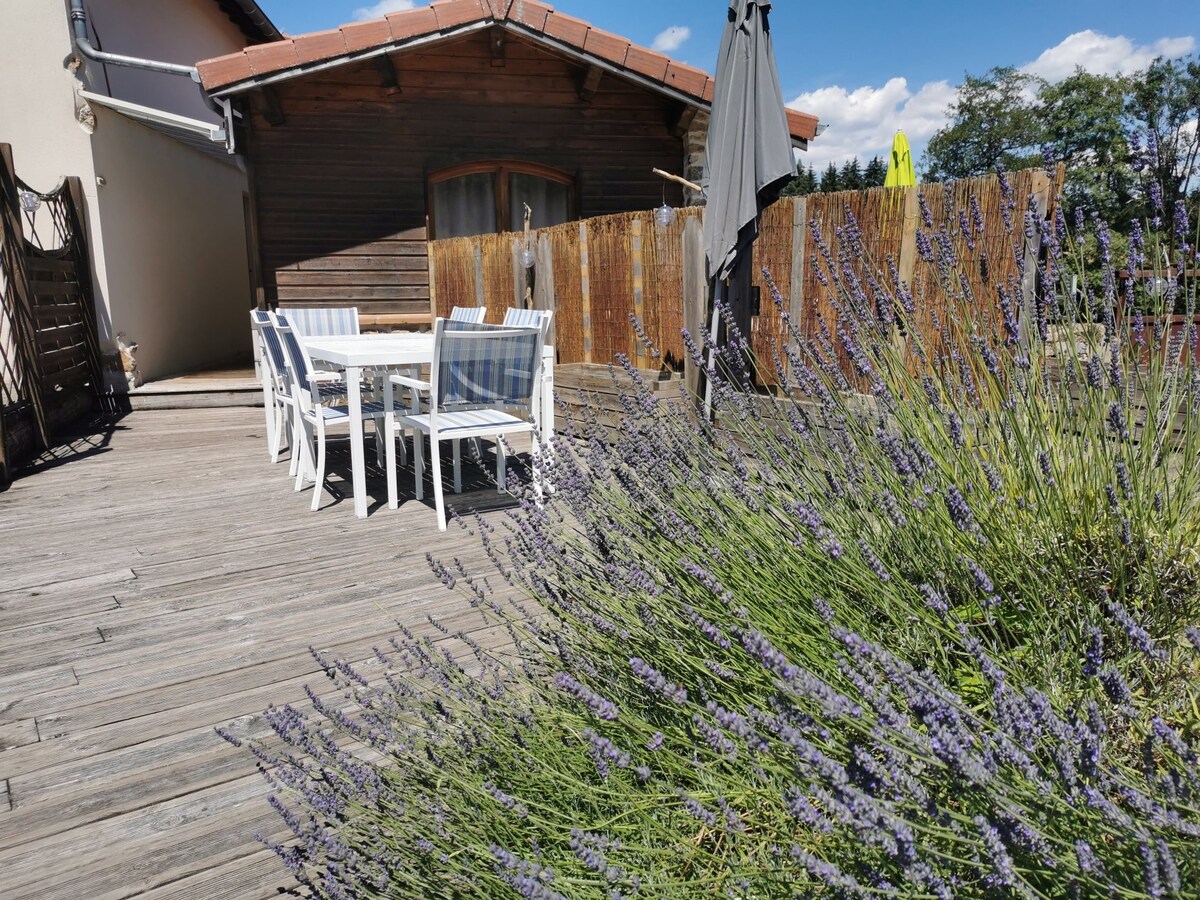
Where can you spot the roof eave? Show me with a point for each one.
(570, 51)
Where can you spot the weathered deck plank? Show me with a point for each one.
(167, 583)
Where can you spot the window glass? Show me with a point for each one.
(465, 206)
(549, 201)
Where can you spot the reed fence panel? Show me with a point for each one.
(607, 268)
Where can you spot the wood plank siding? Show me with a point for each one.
(340, 178)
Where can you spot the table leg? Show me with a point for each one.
(358, 463)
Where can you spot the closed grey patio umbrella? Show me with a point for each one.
(749, 156)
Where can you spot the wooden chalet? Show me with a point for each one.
(364, 141)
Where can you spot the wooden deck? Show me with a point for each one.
(160, 579)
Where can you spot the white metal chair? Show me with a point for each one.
(321, 321)
(313, 417)
(474, 314)
(269, 362)
(528, 318)
(478, 374)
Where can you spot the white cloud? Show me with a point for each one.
(862, 122)
(380, 9)
(1103, 55)
(671, 39)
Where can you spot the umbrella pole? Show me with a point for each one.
(719, 289)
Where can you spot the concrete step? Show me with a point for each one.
(199, 390)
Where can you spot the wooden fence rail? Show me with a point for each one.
(50, 371)
(603, 270)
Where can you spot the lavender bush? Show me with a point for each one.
(918, 624)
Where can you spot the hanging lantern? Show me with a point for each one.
(528, 258)
(665, 215)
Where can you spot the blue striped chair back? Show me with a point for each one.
(297, 360)
(265, 325)
(484, 365)
(322, 321)
(475, 314)
(528, 318)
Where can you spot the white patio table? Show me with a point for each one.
(354, 353)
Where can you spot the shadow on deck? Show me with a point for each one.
(167, 582)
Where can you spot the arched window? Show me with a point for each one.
(486, 197)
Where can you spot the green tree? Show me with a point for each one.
(992, 122)
(1084, 126)
(829, 180)
(850, 178)
(811, 184)
(1164, 103)
(875, 172)
(805, 182)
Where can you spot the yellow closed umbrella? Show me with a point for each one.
(900, 171)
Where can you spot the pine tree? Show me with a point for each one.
(829, 180)
(851, 176)
(811, 184)
(875, 173)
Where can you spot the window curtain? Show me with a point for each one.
(465, 206)
(549, 200)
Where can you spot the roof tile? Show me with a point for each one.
(606, 45)
(224, 70)
(414, 23)
(686, 79)
(442, 15)
(529, 13)
(366, 35)
(452, 13)
(266, 58)
(567, 29)
(320, 45)
(646, 62)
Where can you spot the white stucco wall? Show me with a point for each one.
(166, 229)
(178, 277)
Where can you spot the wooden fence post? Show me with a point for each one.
(19, 298)
(907, 264)
(639, 292)
(544, 296)
(586, 292)
(432, 266)
(799, 245)
(479, 293)
(83, 275)
(520, 275)
(1039, 188)
(695, 293)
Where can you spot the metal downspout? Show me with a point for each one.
(83, 42)
(79, 25)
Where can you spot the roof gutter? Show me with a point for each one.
(79, 24)
(259, 19)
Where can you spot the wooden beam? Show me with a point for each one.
(591, 83)
(498, 41)
(585, 288)
(272, 110)
(799, 244)
(639, 307)
(389, 78)
(682, 121)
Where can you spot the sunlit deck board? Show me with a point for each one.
(166, 583)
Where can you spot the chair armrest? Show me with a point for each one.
(406, 381)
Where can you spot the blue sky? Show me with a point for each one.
(859, 66)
